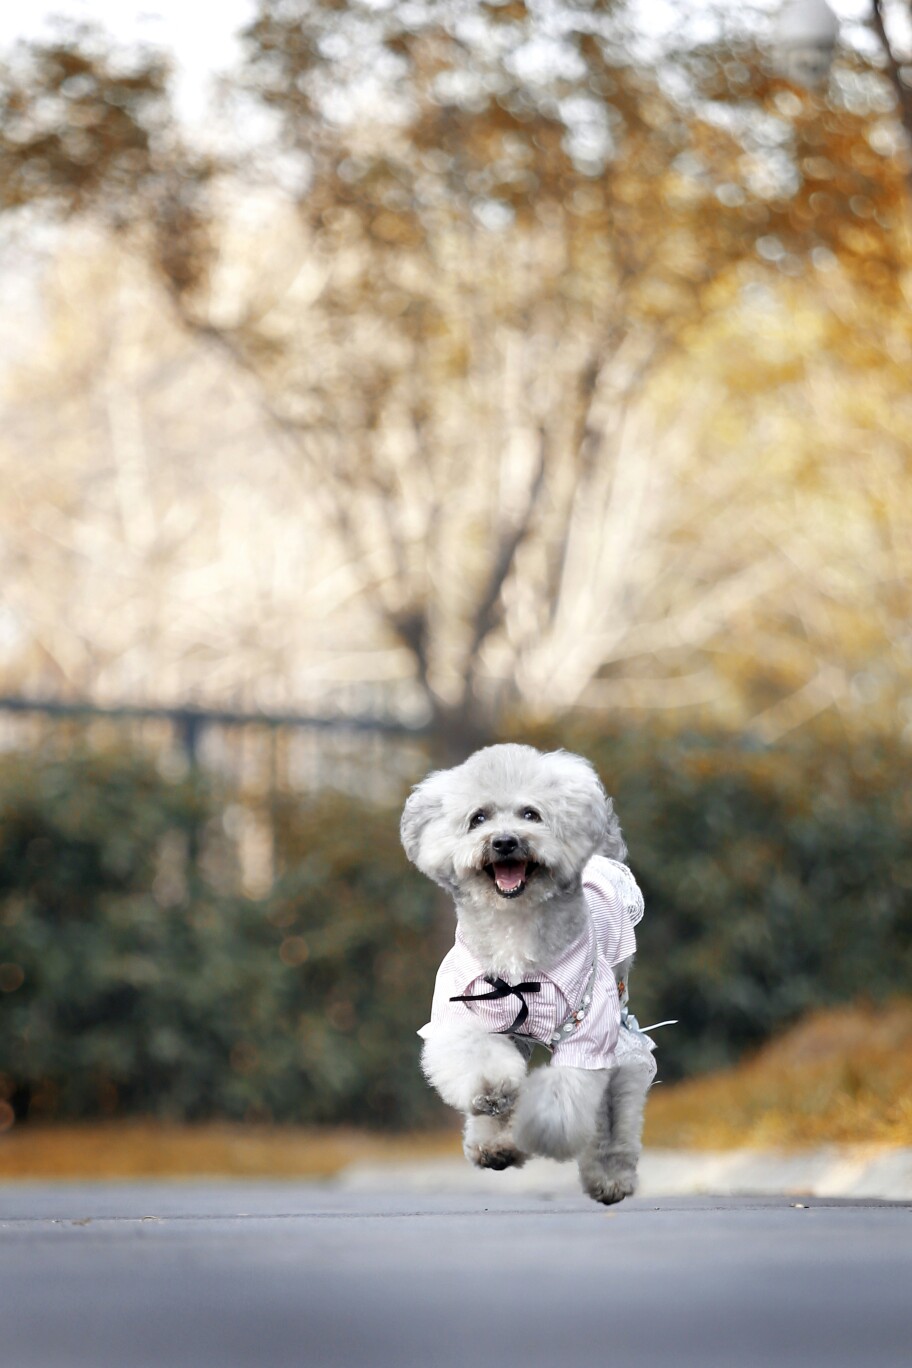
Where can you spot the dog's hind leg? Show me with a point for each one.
(608, 1165)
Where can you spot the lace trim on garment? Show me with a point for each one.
(629, 891)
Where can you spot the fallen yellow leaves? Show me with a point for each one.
(150, 1149)
(841, 1076)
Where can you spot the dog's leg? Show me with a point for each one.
(608, 1164)
(488, 1143)
(557, 1111)
(480, 1075)
(477, 1073)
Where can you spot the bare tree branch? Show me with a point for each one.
(901, 87)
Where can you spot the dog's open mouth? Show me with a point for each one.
(510, 876)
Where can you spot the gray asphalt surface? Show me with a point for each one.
(213, 1276)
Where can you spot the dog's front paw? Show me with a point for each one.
(494, 1154)
(497, 1099)
(488, 1144)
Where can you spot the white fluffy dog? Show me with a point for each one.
(529, 847)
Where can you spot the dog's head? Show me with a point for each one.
(510, 823)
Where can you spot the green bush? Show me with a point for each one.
(97, 967)
(135, 977)
(373, 935)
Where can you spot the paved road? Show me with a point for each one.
(294, 1276)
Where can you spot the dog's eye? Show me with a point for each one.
(530, 815)
(476, 818)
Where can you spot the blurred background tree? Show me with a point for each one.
(488, 244)
(90, 131)
(491, 370)
(514, 251)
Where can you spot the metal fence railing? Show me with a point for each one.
(368, 755)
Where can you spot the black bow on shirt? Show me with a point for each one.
(501, 989)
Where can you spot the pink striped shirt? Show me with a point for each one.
(616, 905)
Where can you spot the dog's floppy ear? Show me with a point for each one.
(613, 844)
(585, 813)
(422, 806)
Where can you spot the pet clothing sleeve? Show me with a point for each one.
(616, 904)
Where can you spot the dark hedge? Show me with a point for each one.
(136, 978)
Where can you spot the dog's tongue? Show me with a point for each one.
(509, 876)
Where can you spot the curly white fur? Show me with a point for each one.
(555, 808)
(557, 1110)
(576, 818)
(466, 1065)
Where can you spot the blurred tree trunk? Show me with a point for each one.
(899, 66)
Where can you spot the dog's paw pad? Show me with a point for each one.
(496, 1157)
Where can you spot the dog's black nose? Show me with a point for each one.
(504, 845)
